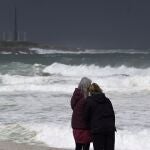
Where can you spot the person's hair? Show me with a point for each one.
(94, 88)
(84, 86)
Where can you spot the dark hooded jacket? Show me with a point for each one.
(99, 113)
(77, 105)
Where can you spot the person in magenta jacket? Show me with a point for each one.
(81, 131)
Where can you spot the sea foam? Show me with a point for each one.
(110, 78)
(89, 51)
(125, 140)
(60, 136)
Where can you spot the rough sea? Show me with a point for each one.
(35, 92)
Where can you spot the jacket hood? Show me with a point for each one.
(99, 97)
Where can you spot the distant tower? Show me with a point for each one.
(15, 25)
(24, 36)
(4, 36)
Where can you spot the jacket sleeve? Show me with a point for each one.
(87, 111)
(113, 112)
(112, 109)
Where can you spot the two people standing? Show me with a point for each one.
(93, 118)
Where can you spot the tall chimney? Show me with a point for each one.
(15, 25)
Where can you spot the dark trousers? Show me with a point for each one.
(104, 141)
(80, 146)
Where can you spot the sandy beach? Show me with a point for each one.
(16, 146)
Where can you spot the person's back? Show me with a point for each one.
(100, 115)
(77, 105)
(81, 132)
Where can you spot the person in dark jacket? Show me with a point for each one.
(100, 115)
(81, 131)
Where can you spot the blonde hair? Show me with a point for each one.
(94, 88)
(84, 86)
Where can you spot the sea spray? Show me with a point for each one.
(35, 93)
(110, 78)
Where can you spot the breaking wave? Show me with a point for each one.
(110, 78)
(89, 51)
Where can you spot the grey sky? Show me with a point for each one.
(81, 23)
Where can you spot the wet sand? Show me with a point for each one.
(16, 146)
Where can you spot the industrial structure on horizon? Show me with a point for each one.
(14, 35)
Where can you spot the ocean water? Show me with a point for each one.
(35, 92)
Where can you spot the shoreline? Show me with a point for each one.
(8, 145)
